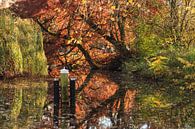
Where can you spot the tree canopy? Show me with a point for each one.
(86, 24)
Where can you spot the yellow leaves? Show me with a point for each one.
(169, 40)
(79, 40)
(189, 76)
(112, 19)
(84, 1)
(186, 63)
(57, 10)
(158, 64)
(138, 5)
(158, 60)
(191, 86)
(75, 40)
(154, 101)
(162, 57)
(188, 8)
(193, 11)
(70, 40)
(130, 1)
(113, 7)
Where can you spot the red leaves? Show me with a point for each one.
(91, 21)
(32, 8)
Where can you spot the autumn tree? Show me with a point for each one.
(90, 27)
(174, 23)
(181, 24)
(87, 25)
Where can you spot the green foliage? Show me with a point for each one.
(166, 51)
(162, 104)
(139, 66)
(21, 46)
(154, 101)
(27, 99)
(11, 56)
(187, 71)
(31, 40)
(33, 102)
(158, 64)
(172, 66)
(16, 104)
(148, 44)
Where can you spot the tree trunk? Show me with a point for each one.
(92, 64)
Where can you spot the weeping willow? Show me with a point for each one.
(33, 103)
(11, 56)
(27, 100)
(17, 104)
(31, 41)
(21, 46)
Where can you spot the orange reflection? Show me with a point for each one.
(100, 97)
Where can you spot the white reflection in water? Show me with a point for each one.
(92, 127)
(105, 122)
(145, 126)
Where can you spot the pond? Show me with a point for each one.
(104, 100)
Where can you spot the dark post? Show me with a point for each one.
(72, 95)
(56, 103)
(72, 101)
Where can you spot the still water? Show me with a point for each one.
(103, 101)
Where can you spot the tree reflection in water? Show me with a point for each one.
(103, 100)
(131, 104)
(100, 99)
(22, 104)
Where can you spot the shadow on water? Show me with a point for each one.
(103, 101)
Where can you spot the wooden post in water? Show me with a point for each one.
(64, 85)
(56, 103)
(72, 101)
(72, 95)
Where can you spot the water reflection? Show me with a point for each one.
(105, 122)
(21, 104)
(163, 106)
(135, 104)
(103, 100)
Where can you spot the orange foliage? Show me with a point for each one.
(105, 23)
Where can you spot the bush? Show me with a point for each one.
(148, 44)
(176, 66)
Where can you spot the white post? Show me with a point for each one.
(64, 84)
